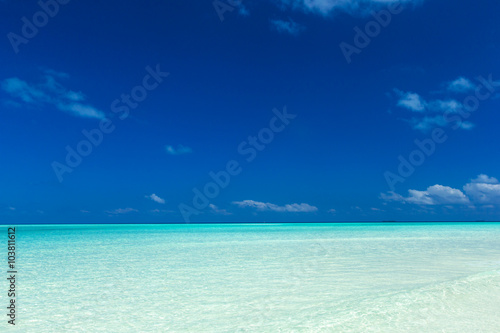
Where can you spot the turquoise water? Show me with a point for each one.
(424, 277)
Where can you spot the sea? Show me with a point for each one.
(310, 277)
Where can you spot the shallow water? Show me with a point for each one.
(432, 277)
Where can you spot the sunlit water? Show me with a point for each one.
(257, 278)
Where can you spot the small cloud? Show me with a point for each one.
(332, 211)
(461, 85)
(156, 198)
(84, 211)
(266, 206)
(217, 210)
(178, 151)
(12, 208)
(411, 101)
(121, 211)
(287, 27)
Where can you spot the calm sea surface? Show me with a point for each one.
(419, 277)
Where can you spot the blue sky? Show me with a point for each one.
(322, 110)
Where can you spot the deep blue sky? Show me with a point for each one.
(330, 163)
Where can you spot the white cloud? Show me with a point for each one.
(332, 211)
(50, 92)
(434, 195)
(461, 85)
(121, 211)
(483, 190)
(327, 7)
(411, 101)
(263, 206)
(288, 27)
(217, 210)
(482, 178)
(156, 198)
(178, 151)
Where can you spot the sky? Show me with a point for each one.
(249, 111)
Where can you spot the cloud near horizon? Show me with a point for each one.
(121, 211)
(266, 206)
(49, 92)
(480, 190)
(216, 210)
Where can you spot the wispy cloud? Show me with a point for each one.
(49, 92)
(121, 211)
(160, 211)
(480, 190)
(287, 27)
(180, 150)
(156, 198)
(217, 210)
(266, 206)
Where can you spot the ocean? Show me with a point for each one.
(345, 277)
